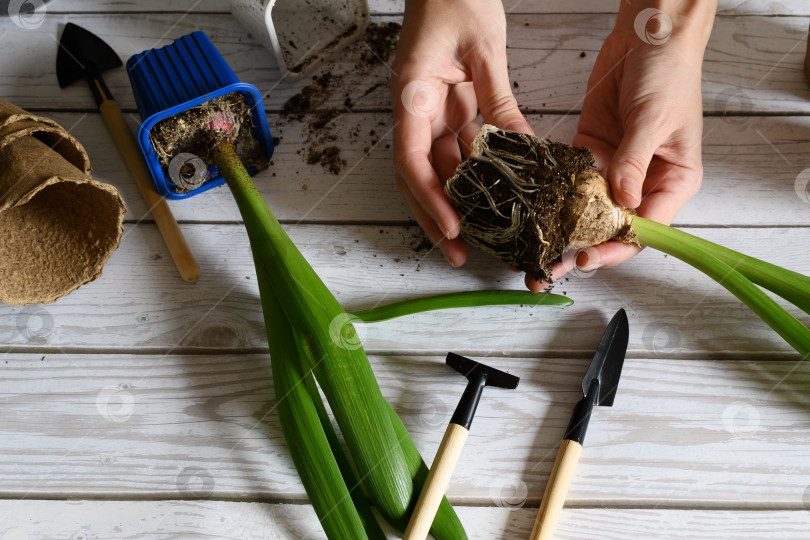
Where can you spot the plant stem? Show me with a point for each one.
(790, 285)
(460, 300)
(683, 246)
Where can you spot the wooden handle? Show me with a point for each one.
(178, 247)
(436, 484)
(556, 490)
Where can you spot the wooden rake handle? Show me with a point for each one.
(556, 490)
(178, 247)
(436, 484)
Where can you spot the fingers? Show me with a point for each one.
(466, 136)
(455, 251)
(668, 188)
(533, 285)
(498, 106)
(558, 270)
(412, 146)
(610, 253)
(628, 167)
(446, 156)
(662, 206)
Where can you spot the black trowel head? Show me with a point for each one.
(81, 52)
(606, 366)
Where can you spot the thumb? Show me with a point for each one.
(628, 168)
(494, 94)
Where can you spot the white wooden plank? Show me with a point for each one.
(757, 59)
(143, 6)
(682, 433)
(142, 303)
(751, 63)
(224, 6)
(245, 521)
(752, 169)
(726, 7)
(731, 7)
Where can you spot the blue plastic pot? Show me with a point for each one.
(177, 77)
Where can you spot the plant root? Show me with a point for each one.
(527, 200)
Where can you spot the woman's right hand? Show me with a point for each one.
(450, 62)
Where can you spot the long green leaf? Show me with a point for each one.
(340, 364)
(460, 300)
(308, 444)
(446, 525)
(680, 245)
(370, 524)
(790, 285)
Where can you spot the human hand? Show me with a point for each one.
(450, 62)
(643, 116)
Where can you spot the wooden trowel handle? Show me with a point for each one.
(178, 247)
(436, 483)
(556, 490)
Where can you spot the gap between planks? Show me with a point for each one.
(539, 354)
(530, 503)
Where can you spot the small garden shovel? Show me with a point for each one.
(83, 55)
(599, 386)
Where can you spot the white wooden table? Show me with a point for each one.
(142, 407)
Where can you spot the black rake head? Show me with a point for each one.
(471, 369)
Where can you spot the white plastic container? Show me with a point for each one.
(301, 33)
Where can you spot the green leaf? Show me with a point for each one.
(308, 444)
(683, 246)
(460, 300)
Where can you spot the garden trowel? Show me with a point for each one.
(599, 388)
(83, 55)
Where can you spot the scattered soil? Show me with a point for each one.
(382, 42)
(370, 54)
(310, 96)
(424, 245)
(420, 242)
(329, 158)
(200, 129)
(298, 67)
(511, 192)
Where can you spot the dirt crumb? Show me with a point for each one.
(362, 65)
(328, 157)
(418, 240)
